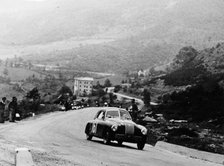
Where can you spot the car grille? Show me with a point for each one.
(121, 129)
(129, 129)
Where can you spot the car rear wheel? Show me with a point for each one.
(106, 139)
(140, 145)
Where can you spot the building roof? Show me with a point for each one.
(84, 78)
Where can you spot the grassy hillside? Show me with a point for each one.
(124, 35)
(7, 90)
(200, 74)
(10, 87)
(18, 74)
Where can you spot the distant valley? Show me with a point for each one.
(112, 36)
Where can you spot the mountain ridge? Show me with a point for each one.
(150, 29)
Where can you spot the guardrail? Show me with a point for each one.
(23, 157)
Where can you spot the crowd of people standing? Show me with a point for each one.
(8, 110)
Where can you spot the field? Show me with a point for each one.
(15, 75)
(18, 74)
(8, 91)
(115, 79)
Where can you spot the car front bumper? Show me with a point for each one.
(129, 138)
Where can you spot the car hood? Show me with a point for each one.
(129, 125)
(119, 122)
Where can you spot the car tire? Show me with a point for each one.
(106, 139)
(119, 142)
(140, 145)
(89, 137)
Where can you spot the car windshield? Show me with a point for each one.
(112, 114)
(125, 115)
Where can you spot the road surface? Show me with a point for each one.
(58, 139)
(139, 101)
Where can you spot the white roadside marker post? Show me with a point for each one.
(23, 157)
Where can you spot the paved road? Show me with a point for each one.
(58, 139)
(139, 101)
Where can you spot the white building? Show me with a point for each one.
(83, 85)
(143, 73)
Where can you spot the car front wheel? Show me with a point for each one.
(106, 139)
(119, 142)
(140, 145)
(89, 137)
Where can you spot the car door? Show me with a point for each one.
(97, 125)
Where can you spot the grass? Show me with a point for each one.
(115, 79)
(8, 91)
(18, 74)
(15, 75)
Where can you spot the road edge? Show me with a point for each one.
(193, 153)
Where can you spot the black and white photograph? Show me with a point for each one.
(111, 82)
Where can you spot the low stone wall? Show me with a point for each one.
(212, 157)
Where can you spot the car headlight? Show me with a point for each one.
(114, 127)
(144, 131)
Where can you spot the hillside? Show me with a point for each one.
(192, 67)
(192, 90)
(109, 35)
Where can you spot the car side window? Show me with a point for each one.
(97, 114)
(101, 115)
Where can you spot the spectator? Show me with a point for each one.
(97, 104)
(105, 104)
(134, 110)
(2, 109)
(13, 109)
(67, 105)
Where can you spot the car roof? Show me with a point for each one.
(112, 109)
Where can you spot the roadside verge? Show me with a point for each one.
(193, 153)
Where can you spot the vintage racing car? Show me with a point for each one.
(115, 124)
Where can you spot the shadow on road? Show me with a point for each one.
(114, 144)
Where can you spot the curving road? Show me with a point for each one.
(58, 139)
(139, 101)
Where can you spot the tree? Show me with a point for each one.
(125, 89)
(117, 88)
(98, 86)
(5, 72)
(101, 92)
(111, 97)
(84, 93)
(74, 97)
(6, 62)
(65, 90)
(20, 59)
(107, 83)
(60, 76)
(146, 97)
(35, 96)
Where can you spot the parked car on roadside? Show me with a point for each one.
(115, 124)
(61, 107)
